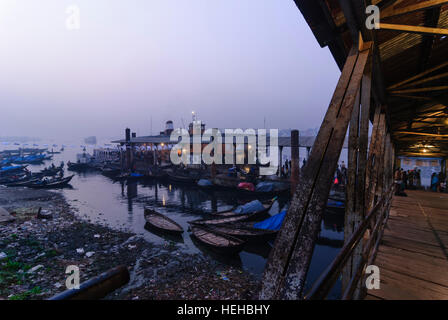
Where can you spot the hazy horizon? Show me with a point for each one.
(235, 63)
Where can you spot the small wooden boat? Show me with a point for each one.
(52, 184)
(267, 206)
(22, 182)
(231, 217)
(217, 241)
(162, 222)
(77, 166)
(245, 231)
(182, 178)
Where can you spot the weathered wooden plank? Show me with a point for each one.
(418, 76)
(355, 203)
(392, 11)
(284, 276)
(304, 246)
(352, 218)
(412, 256)
(375, 159)
(413, 264)
(396, 286)
(396, 241)
(415, 90)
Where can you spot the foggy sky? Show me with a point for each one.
(235, 62)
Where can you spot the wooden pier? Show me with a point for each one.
(413, 255)
(406, 237)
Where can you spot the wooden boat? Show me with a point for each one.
(162, 222)
(245, 231)
(182, 178)
(217, 241)
(232, 217)
(52, 184)
(77, 166)
(267, 206)
(22, 182)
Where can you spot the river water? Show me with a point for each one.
(121, 206)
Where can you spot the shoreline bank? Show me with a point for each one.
(34, 253)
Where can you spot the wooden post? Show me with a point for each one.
(128, 148)
(289, 260)
(213, 170)
(154, 146)
(375, 152)
(357, 162)
(295, 165)
(280, 159)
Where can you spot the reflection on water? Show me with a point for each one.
(121, 205)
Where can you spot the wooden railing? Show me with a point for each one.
(377, 217)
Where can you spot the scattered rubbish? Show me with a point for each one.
(34, 269)
(80, 250)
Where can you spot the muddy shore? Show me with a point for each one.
(35, 251)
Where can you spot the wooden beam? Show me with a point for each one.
(376, 145)
(289, 260)
(438, 88)
(423, 134)
(393, 11)
(418, 76)
(423, 154)
(431, 20)
(411, 97)
(413, 29)
(415, 83)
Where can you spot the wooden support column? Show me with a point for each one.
(280, 157)
(289, 260)
(213, 170)
(355, 191)
(381, 167)
(374, 159)
(154, 151)
(295, 155)
(128, 148)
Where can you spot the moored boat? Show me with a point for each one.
(246, 231)
(233, 216)
(217, 241)
(51, 184)
(162, 222)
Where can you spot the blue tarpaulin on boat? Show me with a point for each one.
(273, 223)
(251, 207)
(10, 168)
(265, 187)
(334, 203)
(205, 183)
(136, 175)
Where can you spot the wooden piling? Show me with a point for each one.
(295, 166)
(128, 148)
(355, 190)
(289, 260)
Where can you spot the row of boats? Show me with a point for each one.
(48, 178)
(226, 232)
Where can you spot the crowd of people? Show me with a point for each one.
(411, 179)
